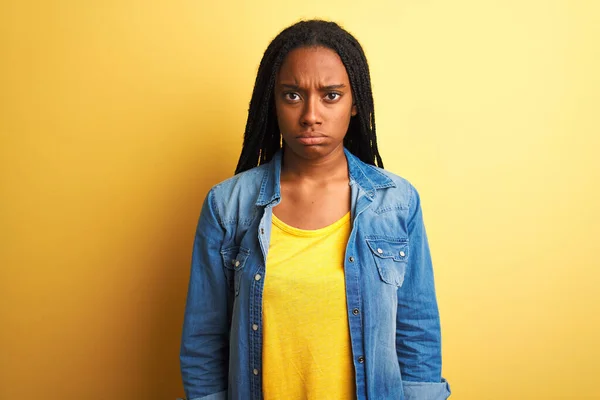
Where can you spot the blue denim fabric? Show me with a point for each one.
(392, 308)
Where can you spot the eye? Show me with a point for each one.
(291, 96)
(333, 96)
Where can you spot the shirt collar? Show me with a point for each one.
(368, 177)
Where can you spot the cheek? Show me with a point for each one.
(344, 109)
(286, 117)
(342, 118)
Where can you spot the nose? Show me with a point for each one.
(311, 114)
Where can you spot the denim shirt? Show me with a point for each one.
(392, 308)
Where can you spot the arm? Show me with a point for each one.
(418, 338)
(204, 353)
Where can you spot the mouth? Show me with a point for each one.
(311, 139)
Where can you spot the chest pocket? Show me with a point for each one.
(234, 261)
(391, 257)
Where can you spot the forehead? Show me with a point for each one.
(312, 63)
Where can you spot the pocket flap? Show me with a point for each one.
(389, 248)
(234, 257)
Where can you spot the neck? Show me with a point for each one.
(333, 165)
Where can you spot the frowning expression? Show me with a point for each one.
(313, 102)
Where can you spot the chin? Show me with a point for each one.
(312, 153)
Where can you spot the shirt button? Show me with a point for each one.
(355, 311)
(380, 251)
(255, 371)
(361, 359)
(351, 259)
(237, 263)
(262, 231)
(402, 254)
(257, 277)
(254, 327)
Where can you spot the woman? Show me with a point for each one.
(311, 275)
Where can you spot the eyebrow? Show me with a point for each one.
(322, 88)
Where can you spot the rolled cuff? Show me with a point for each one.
(426, 390)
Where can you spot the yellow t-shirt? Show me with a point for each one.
(306, 339)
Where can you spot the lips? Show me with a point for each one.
(311, 139)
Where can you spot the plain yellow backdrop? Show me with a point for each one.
(117, 116)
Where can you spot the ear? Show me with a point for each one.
(353, 112)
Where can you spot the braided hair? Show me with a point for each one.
(262, 137)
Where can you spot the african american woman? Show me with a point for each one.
(311, 274)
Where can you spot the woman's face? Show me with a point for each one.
(313, 102)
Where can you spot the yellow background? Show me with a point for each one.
(117, 116)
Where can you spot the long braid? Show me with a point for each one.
(262, 138)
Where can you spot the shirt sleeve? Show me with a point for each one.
(418, 337)
(204, 350)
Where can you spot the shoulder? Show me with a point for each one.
(248, 181)
(233, 200)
